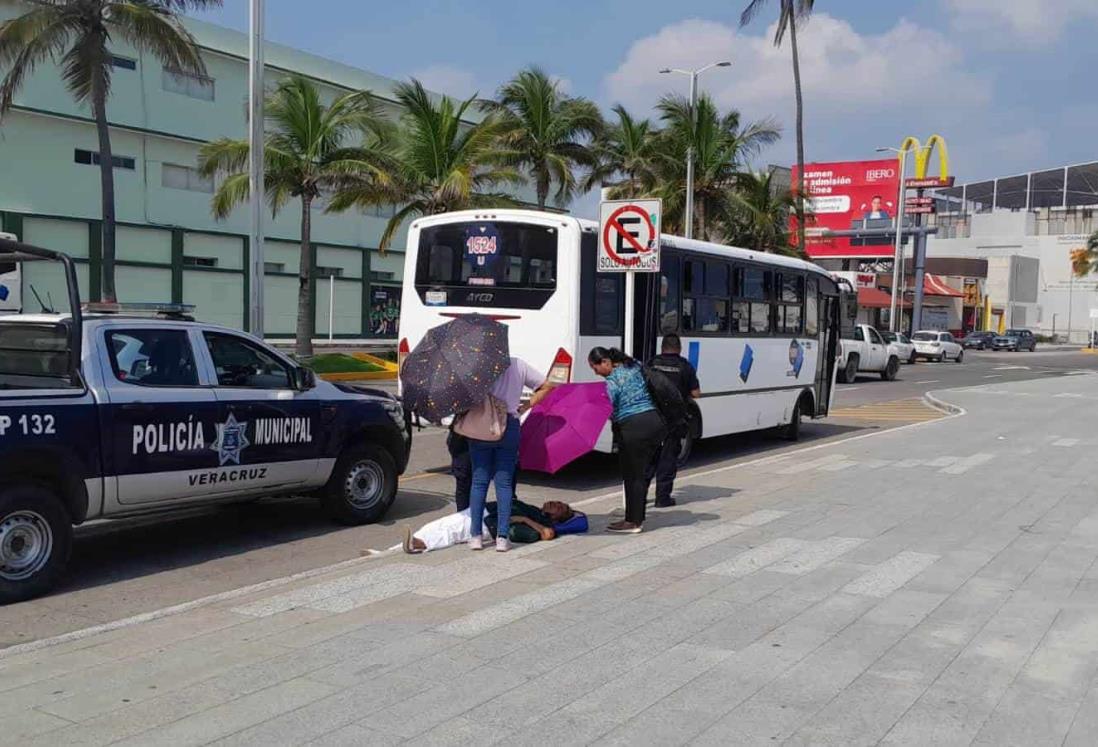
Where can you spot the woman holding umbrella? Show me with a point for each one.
(494, 461)
(639, 428)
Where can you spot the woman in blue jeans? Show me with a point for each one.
(494, 461)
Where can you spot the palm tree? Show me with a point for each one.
(758, 216)
(310, 150)
(624, 157)
(546, 133)
(1085, 261)
(790, 12)
(721, 144)
(439, 163)
(77, 34)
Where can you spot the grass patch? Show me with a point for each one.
(340, 363)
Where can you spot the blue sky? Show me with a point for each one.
(1009, 83)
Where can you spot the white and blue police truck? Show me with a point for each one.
(109, 415)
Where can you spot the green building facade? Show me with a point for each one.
(169, 246)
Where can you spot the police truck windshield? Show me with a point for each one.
(487, 263)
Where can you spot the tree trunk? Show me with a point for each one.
(543, 189)
(305, 321)
(106, 182)
(800, 133)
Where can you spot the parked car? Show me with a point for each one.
(107, 415)
(982, 340)
(901, 345)
(1015, 340)
(938, 346)
(866, 352)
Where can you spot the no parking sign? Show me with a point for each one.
(629, 236)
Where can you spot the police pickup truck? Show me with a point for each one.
(109, 415)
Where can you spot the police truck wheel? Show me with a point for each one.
(362, 487)
(35, 542)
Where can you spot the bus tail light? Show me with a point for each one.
(402, 352)
(561, 370)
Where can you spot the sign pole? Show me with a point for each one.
(630, 309)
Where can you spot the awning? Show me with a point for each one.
(872, 298)
(933, 285)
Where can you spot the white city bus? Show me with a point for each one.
(761, 329)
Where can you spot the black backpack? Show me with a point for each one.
(666, 397)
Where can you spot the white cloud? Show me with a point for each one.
(841, 70)
(448, 80)
(1033, 22)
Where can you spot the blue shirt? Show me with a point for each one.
(628, 392)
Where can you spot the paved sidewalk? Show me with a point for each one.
(930, 585)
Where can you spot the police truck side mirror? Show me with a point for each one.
(304, 379)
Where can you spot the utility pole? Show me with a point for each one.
(897, 257)
(255, 167)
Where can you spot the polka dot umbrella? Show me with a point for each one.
(454, 366)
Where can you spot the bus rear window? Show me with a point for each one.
(487, 263)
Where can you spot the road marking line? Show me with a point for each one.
(891, 574)
(964, 465)
(749, 561)
(816, 554)
(994, 376)
(1066, 442)
(930, 381)
(797, 469)
(127, 622)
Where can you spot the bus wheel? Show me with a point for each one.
(687, 447)
(792, 430)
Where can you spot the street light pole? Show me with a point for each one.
(688, 221)
(255, 167)
(897, 257)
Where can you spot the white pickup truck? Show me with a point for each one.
(866, 352)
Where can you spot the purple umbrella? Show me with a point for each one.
(564, 426)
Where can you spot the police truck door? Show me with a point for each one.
(160, 415)
(268, 431)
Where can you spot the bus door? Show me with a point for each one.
(826, 314)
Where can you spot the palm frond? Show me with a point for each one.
(29, 40)
(159, 31)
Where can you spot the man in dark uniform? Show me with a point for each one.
(671, 363)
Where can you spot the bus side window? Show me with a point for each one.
(602, 295)
(812, 307)
(789, 293)
(670, 267)
(752, 307)
(705, 297)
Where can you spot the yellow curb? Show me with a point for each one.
(1090, 351)
(359, 376)
(387, 365)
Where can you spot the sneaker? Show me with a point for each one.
(502, 544)
(476, 543)
(625, 527)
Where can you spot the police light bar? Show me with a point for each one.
(162, 309)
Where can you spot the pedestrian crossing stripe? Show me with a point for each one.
(897, 411)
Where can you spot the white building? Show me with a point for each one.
(1025, 227)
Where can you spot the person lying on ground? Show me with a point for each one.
(528, 524)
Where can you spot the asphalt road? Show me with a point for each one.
(119, 569)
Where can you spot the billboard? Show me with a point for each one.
(849, 195)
